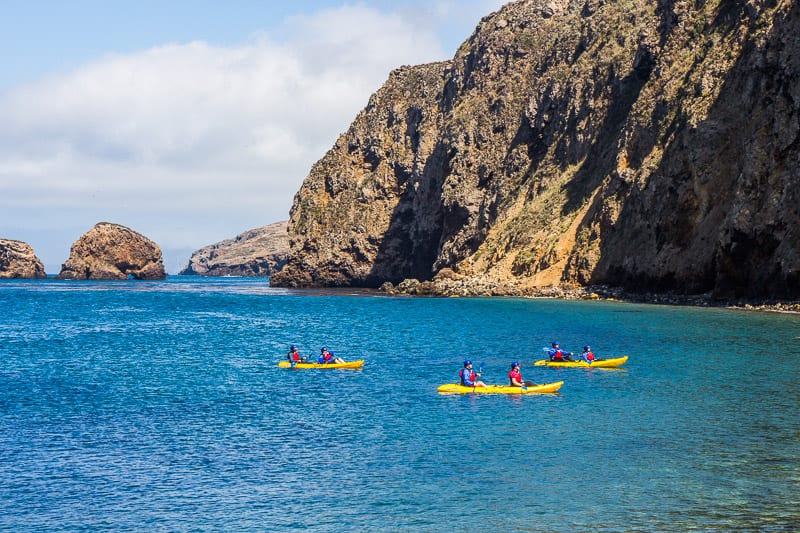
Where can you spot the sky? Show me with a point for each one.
(189, 122)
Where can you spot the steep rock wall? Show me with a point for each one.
(647, 145)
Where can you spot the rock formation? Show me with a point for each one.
(648, 145)
(110, 251)
(17, 260)
(257, 252)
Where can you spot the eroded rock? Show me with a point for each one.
(111, 251)
(17, 260)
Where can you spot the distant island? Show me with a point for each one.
(258, 252)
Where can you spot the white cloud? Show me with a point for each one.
(191, 143)
(184, 130)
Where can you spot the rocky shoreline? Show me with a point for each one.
(472, 288)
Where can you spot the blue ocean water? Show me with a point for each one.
(159, 406)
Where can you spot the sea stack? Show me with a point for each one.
(17, 260)
(111, 251)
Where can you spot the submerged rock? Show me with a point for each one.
(111, 251)
(255, 253)
(17, 260)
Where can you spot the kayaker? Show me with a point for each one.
(327, 357)
(294, 356)
(557, 354)
(587, 354)
(515, 376)
(469, 378)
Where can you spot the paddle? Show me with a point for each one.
(480, 371)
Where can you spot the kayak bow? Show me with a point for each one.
(602, 363)
(456, 388)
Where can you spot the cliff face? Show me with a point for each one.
(257, 252)
(110, 251)
(17, 260)
(648, 145)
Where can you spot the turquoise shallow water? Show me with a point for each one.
(159, 406)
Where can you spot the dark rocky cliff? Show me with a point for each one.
(646, 145)
(254, 253)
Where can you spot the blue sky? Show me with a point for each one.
(189, 122)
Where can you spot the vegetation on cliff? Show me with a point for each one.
(652, 146)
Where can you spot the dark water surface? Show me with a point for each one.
(159, 406)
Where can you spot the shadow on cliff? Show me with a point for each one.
(681, 232)
(600, 159)
(421, 224)
(411, 245)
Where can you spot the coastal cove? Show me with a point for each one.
(160, 405)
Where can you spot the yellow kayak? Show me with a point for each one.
(349, 364)
(456, 388)
(602, 363)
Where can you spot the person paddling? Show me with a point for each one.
(327, 357)
(469, 378)
(557, 354)
(294, 356)
(515, 377)
(587, 354)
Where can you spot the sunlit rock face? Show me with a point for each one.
(646, 145)
(17, 260)
(110, 251)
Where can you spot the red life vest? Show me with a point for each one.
(589, 356)
(470, 378)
